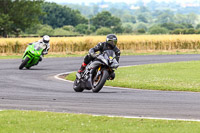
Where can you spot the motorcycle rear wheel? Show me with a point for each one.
(24, 63)
(101, 81)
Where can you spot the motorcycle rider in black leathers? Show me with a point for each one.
(110, 44)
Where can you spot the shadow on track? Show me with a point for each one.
(35, 69)
(90, 92)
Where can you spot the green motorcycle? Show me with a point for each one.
(32, 55)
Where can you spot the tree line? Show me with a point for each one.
(40, 17)
(17, 15)
(146, 17)
(37, 17)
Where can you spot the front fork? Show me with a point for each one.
(98, 73)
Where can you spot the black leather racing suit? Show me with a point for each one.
(102, 46)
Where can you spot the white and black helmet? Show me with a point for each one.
(111, 39)
(44, 42)
(46, 39)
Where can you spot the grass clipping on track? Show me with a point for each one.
(181, 76)
(48, 122)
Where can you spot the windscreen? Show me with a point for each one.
(39, 46)
(110, 53)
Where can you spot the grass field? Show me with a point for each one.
(133, 43)
(181, 76)
(48, 122)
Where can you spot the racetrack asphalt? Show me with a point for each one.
(37, 89)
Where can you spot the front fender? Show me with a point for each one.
(95, 64)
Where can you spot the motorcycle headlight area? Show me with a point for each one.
(105, 61)
(114, 64)
(110, 61)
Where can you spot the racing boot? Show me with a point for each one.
(40, 58)
(82, 68)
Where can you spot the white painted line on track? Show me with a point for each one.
(58, 77)
(120, 88)
(151, 118)
(135, 117)
(138, 117)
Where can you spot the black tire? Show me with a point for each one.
(101, 82)
(77, 86)
(28, 67)
(24, 63)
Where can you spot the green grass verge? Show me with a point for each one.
(181, 76)
(49, 122)
(17, 56)
(160, 53)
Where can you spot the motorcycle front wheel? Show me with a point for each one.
(100, 81)
(77, 86)
(24, 63)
